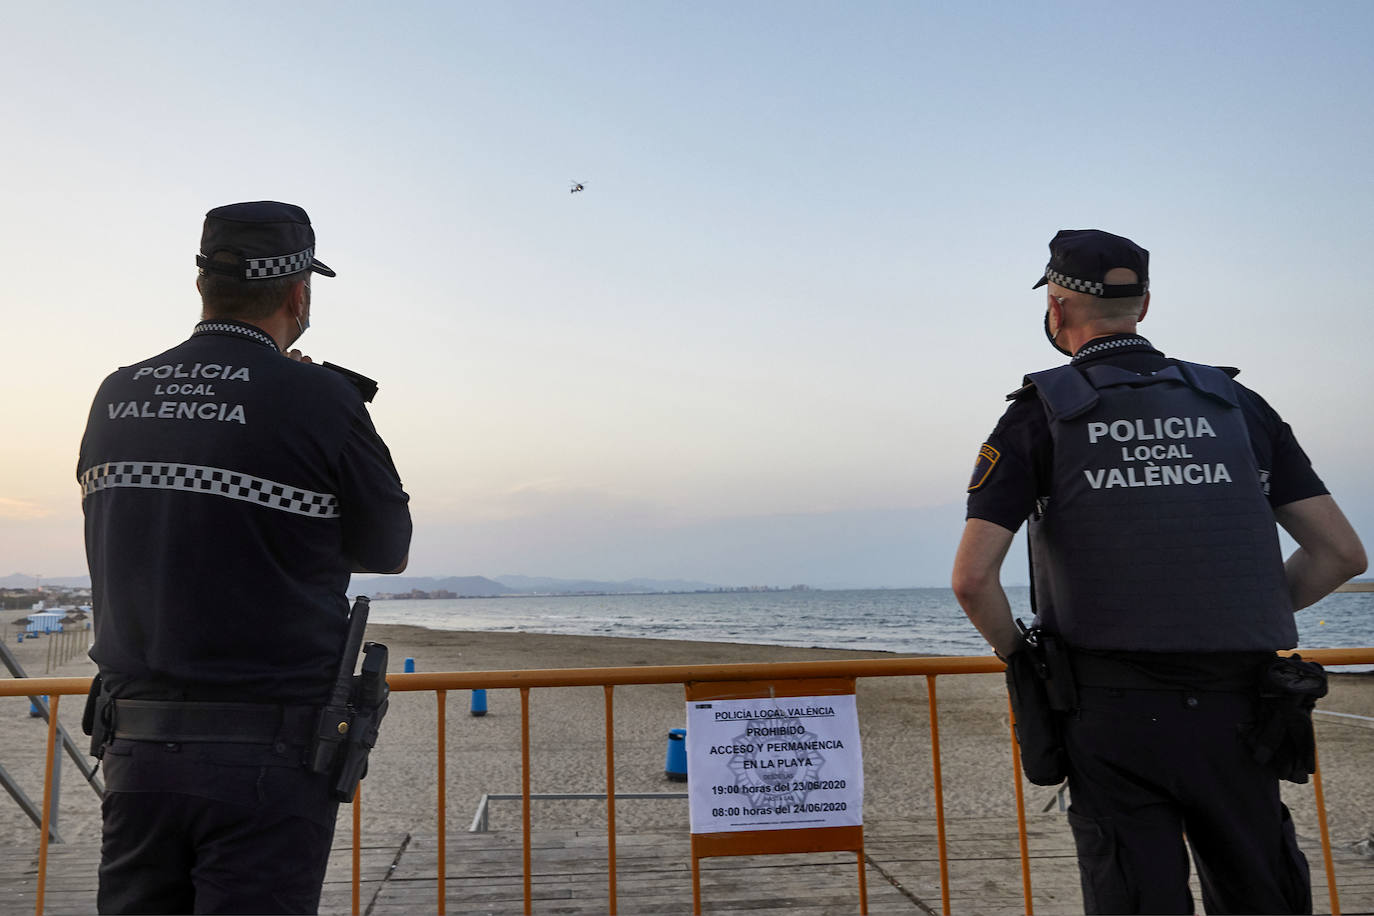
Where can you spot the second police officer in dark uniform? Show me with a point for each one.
(1152, 486)
(229, 488)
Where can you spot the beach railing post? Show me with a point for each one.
(863, 884)
(441, 702)
(357, 847)
(47, 802)
(1326, 838)
(1020, 810)
(610, 794)
(939, 792)
(525, 796)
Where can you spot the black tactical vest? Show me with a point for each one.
(1156, 535)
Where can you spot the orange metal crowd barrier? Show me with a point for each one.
(609, 678)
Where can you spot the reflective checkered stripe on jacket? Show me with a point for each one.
(214, 481)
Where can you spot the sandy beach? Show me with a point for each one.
(567, 729)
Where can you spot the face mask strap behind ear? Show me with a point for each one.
(1052, 337)
(304, 326)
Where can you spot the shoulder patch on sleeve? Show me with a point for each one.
(987, 460)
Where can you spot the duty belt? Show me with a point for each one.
(1113, 673)
(174, 721)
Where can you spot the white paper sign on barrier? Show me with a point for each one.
(774, 763)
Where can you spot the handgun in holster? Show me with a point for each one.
(350, 721)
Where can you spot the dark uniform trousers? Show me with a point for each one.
(1147, 767)
(212, 828)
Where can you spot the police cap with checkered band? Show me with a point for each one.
(1080, 259)
(260, 240)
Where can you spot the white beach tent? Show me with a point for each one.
(45, 621)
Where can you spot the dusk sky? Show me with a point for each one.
(764, 344)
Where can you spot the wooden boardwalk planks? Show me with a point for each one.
(484, 874)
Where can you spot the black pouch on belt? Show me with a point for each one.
(1283, 738)
(1040, 695)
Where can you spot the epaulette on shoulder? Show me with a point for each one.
(1231, 371)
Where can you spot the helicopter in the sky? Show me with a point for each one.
(576, 186)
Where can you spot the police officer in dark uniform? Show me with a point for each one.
(1152, 486)
(229, 487)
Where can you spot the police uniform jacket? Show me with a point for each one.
(228, 493)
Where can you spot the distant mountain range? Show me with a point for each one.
(542, 585)
(27, 580)
(482, 587)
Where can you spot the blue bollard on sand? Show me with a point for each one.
(479, 701)
(410, 664)
(675, 765)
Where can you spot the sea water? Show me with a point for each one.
(918, 621)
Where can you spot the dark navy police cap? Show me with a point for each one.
(264, 239)
(1080, 259)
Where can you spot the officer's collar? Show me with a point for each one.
(1116, 343)
(235, 328)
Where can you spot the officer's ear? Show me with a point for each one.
(1057, 309)
(296, 298)
(1144, 307)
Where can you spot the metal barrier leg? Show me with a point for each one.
(610, 794)
(939, 793)
(525, 793)
(357, 848)
(47, 801)
(696, 886)
(863, 886)
(1020, 811)
(1326, 837)
(441, 767)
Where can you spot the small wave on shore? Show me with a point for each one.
(921, 621)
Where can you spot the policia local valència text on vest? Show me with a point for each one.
(1138, 467)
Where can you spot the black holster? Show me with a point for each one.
(348, 730)
(1041, 686)
(97, 720)
(1283, 738)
